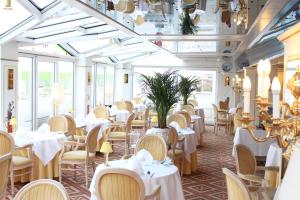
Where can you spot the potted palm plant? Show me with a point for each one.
(186, 86)
(162, 89)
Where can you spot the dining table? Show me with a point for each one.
(46, 147)
(119, 115)
(242, 136)
(164, 175)
(274, 156)
(189, 147)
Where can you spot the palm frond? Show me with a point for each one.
(187, 85)
(162, 89)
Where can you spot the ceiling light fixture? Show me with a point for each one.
(7, 5)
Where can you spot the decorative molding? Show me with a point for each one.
(290, 32)
(7, 59)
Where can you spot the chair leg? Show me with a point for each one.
(59, 172)
(93, 165)
(12, 182)
(86, 174)
(215, 128)
(181, 166)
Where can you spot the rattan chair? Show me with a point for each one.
(153, 143)
(189, 108)
(137, 100)
(123, 136)
(71, 127)
(43, 189)
(19, 162)
(5, 163)
(120, 105)
(176, 151)
(101, 112)
(58, 123)
(192, 102)
(246, 168)
(238, 190)
(221, 118)
(187, 117)
(129, 106)
(122, 184)
(179, 119)
(143, 122)
(80, 157)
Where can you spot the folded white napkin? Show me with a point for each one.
(134, 164)
(144, 156)
(44, 128)
(91, 115)
(175, 125)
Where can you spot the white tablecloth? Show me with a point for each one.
(45, 144)
(121, 115)
(140, 107)
(198, 126)
(274, 155)
(90, 123)
(242, 136)
(166, 176)
(190, 141)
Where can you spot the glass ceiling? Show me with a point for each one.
(42, 3)
(16, 15)
(157, 21)
(85, 46)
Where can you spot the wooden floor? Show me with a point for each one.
(207, 183)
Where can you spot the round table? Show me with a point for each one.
(46, 147)
(121, 115)
(274, 156)
(190, 147)
(242, 136)
(167, 176)
(89, 123)
(198, 127)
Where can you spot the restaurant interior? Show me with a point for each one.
(150, 99)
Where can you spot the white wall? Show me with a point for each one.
(8, 60)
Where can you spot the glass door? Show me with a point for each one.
(45, 80)
(24, 118)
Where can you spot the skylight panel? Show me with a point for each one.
(12, 17)
(85, 46)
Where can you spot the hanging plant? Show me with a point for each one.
(187, 26)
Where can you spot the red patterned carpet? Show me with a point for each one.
(207, 183)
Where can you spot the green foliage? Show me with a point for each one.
(187, 26)
(186, 86)
(162, 89)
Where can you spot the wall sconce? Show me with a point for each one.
(227, 81)
(125, 78)
(237, 84)
(7, 5)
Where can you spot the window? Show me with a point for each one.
(109, 85)
(25, 93)
(66, 79)
(45, 80)
(137, 91)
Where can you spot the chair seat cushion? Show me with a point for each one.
(20, 160)
(138, 121)
(76, 155)
(117, 135)
(177, 152)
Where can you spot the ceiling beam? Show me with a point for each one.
(203, 54)
(202, 37)
(267, 18)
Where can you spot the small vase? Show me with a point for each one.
(9, 128)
